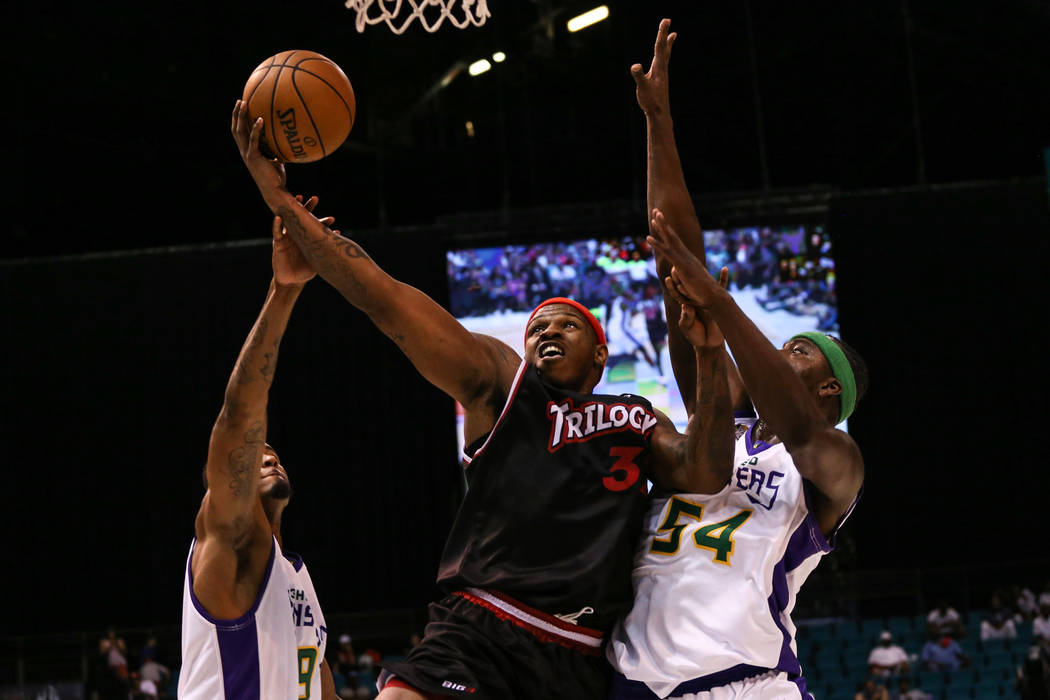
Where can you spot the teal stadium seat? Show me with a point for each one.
(900, 625)
(958, 693)
(932, 682)
(821, 632)
(1024, 635)
(971, 646)
(986, 690)
(870, 629)
(990, 645)
(998, 660)
(834, 675)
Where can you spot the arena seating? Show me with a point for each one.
(834, 658)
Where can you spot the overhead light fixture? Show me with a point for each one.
(479, 67)
(588, 18)
(499, 57)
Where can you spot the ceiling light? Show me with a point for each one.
(588, 18)
(479, 67)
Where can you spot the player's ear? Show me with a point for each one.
(601, 354)
(829, 387)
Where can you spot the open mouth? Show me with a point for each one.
(550, 350)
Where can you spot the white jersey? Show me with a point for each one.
(715, 579)
(272, 652)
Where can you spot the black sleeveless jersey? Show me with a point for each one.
(553, 510)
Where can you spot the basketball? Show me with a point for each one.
(306, 103)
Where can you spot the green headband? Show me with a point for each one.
(840, 367)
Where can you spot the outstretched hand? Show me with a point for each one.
(269, 174)
(697, 325)
(690, 277)
(289, 266)
(651, 87)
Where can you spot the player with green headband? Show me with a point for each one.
(719, 567)
(800, 392)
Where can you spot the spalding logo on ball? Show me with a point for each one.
(306, 103)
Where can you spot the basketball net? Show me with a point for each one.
(392, 12)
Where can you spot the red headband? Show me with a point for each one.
(576, 305)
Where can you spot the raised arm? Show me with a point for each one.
(666, 190)
(475, 370)
(230, 510)
(702, 461)
(827, 457)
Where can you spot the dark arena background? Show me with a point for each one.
(136, 256)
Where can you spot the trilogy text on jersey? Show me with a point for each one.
(594, 418)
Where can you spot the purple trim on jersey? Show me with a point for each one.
(829, 541)
(239, 654)
(778, 601)
(805, 541)
(802, 689)
(294, 559)
(247, 617)
(624, 688)
(749, 439)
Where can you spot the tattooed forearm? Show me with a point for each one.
(710, 434)
(330, 255)
(243, 461)
(243, 371)
(271, 361)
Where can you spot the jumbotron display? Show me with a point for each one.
(782, 277)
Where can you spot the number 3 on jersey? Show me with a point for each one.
(718, 537)
(307, 663)
(623, 474)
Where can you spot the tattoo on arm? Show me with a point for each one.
(271, 361)
(242, 372)
(326, 255)
(244, 460)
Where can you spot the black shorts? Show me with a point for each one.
(480, 644)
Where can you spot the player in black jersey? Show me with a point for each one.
(537, 565)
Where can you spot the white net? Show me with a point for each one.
(398, 14)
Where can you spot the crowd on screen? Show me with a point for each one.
(791, 271)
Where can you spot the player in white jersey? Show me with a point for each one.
(252, 628)
(717, 571)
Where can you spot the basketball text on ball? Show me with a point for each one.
(306, 103)
(291, 134)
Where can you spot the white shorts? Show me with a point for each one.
(769, 686)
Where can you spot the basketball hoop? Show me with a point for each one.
(431, 13)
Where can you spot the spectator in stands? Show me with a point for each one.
(945, 620)
(1041, 625)
(153, 672)
(904, 691)
(872, 691)
(943, 654)
(356, 682)
(997, 623)
(887, 658)
(1033, 676)
(143, 689)
(1024, 601)
(1044, 597)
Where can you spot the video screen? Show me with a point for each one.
(782, 277)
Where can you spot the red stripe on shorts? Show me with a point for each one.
(548, 636)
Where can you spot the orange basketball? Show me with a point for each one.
(306, 102)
